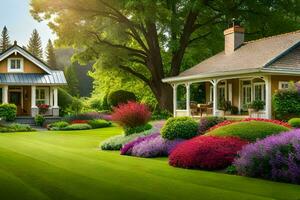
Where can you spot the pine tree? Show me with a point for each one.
(4, 40)
(35, 45)
(72, 80)
(50, 55)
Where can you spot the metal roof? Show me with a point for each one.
(55, 78)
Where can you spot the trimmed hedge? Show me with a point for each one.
(250, 130)
(294, 122)
(8, 111)
(99, 123)
(119, 97)
(179, 127)
(137, 129)
(77, 127)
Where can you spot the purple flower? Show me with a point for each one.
(276, 157)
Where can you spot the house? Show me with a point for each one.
(27, 82)
(243, 72)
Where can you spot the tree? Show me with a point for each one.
(35, 45)
(4, 40)
(152, 39)
(72, 80)
(50, 55)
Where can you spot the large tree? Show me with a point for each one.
(154, 39)
(4, 40)
(50, 55)
(35, 45)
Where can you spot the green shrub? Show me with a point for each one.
(251, 130)
(77, 127)
(8, 111)
(39, 120)
(161, 114)
(64, 100)
(257, 105)
(58, 125)
(15, 127)
(116, 142)
(286, 104)
(208, 122)
(99, 123)
(120, 96)
(294, 122)
(137, 129)
(180, 127)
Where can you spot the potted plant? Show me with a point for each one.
(223, 107)
(256, 106)
(43, 108)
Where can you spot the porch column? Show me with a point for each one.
(51, 97)
(268, 84)
(5, 94)
(188, 99)
(215, 102)
(55, 108)
(174, 99)
(34, 108)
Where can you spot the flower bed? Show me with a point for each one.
(206, 152)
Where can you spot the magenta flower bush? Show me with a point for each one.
(276, 157)
(150, 146)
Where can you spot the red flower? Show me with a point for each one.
(79, 121)
(206, 152)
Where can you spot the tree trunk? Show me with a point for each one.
(164, 95)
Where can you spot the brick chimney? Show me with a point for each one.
(234, 38)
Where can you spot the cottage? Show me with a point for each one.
(242, 73)
(27, 82)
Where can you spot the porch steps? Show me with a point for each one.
(30, 120)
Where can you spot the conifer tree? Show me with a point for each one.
(50, 55)
(35, 45)
(4, 40)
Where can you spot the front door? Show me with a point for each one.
(15, 97)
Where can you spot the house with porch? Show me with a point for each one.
(242, 73)
(27, 82)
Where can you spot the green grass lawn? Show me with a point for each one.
(69, 165)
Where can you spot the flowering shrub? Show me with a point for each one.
(206, 152)
(249, 130)
(127, 148)
(179, 127)
(208, 122)
(131, 114)
(278, 122)
(154, 146)
(224, 123)
(276, 157)
(79, 121)
(43, 108)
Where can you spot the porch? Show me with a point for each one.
(201, 98)
(27, 98)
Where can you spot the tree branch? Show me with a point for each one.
(138, 75)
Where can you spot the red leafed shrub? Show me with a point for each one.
(131, 114)
(79, 121)
(278, 122)
(206, 152)
(224, 123)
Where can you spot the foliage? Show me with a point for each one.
(76, 127)
(294, 122)
(224, 123)
(43, 108)
(84, 116)
(250, 130)
(154, 147)
(39, 120)
(275, 157)
(179, 127)
(257, 105)
(234, 110)
(72, 79)
(208, 122)
(286, 104)
(131, 115)
(136, 129)
(58, 125)
(99, 123)
(8, 111)
(35, 45)
(50, 55)
(76, 106)
(120, 97)
(4, 40)
(206, 152)
(161, 114)
(79, 121)
(64, 100)
(15, 127)
(224, 105)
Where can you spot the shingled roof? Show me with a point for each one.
(270, 52)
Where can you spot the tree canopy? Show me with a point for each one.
(153, 39)
(35, 45)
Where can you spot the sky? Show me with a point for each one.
(15, 14)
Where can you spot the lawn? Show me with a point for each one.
(69, 165)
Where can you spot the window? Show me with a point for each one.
(42, 96)
(260, 91)
(283, 85)
(246, 93)
(15, 65)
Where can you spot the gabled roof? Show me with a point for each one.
(17, 49)
(250, 57)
